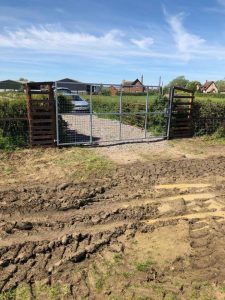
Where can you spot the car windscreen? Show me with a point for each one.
(63, 91)
(77, 98)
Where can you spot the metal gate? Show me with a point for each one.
(109, 113)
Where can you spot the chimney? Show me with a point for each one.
(142, 78)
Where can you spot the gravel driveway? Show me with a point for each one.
(103, 130)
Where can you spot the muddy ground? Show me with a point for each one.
(146, 230)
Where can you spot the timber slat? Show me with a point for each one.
(183, 97)
(39, 101)
(178, 134)
(184, 129)
(42, 121)
(47, 127)
(43, 113)
(37, 92)
(183, 124)
(42, 137)
(47, 142)
(182, 103)
(178, 88)
(183, 136)
(183, 119)
(37, 131)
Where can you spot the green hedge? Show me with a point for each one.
(13, 133)
(10, 108)
(209, 97)
(208, 116)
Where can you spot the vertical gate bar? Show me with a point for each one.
(146, 112)
(56, 115)
(91, 121)
(120, 112)
(170, 111)
(28, 100)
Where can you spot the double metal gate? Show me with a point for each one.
(109, 113)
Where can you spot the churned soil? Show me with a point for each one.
(153, 230)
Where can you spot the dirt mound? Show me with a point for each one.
(154, 231)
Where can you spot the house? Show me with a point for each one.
(76, 86)
(113, 90)
(135, 86)
(209, 87)
(11, 85)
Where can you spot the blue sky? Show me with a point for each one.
(106, 41)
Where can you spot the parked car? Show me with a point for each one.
(80, 105)
(62, 90)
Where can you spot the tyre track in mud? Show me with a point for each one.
(45, 231)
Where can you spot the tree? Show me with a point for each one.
(192, 85)
(180, 81)
(23, 79)
(220, 85)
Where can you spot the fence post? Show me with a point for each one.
(121, 92)
(146, 112)
(170, 111)
(29, 113)
(56, 114)
(91, 121)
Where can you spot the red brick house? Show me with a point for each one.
(133, 86)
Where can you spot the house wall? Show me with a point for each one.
(113, 90)
(212, 89)
(136, 88)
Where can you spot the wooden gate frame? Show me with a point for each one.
(180, 122)
(41, 114)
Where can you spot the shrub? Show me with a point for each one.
(12, 107)
(208, 116)
(13, 132)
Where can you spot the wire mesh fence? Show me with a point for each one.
(99, 113)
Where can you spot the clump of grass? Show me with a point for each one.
(54, 291)
(23, 292)
(170, 296)
(134, 242)
(127, 274)
(222, 288)
(143, 266)
(203, 291)
(117, 258)
(6, 170)
(8, 295)
(219, 133)
(84, 162)
(100, 282)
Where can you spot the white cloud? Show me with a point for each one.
(112, 46)
(187, 43)
(143, 43)
(50, 39)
